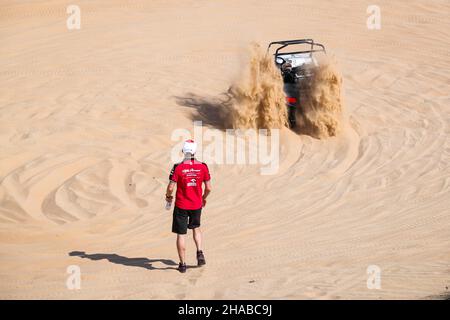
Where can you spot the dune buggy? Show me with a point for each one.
(296, 70)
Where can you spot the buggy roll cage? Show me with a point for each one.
(315, 47)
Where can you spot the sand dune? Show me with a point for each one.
(85, 125)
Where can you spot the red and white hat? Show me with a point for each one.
(189, 147)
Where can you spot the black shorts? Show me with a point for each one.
(184, 219)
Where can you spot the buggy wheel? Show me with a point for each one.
(291, 117)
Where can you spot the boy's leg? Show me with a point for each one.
(194, 224)
(181, 247)
(179, 226)
(198, 238)
(198, 242)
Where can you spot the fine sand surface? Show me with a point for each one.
(86, 118)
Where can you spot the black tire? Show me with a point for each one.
(291, 117)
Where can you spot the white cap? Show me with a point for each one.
(189, 147)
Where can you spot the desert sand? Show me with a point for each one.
(86, 118)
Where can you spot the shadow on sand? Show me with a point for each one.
(133, 262)
(213, 111)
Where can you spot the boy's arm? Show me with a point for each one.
(207, 191)
(169, 190)
(173, 177)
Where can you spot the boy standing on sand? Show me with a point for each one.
(189, 177)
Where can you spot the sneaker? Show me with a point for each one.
(200, 258)
(182, 267)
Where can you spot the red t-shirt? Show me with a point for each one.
(189, 176)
